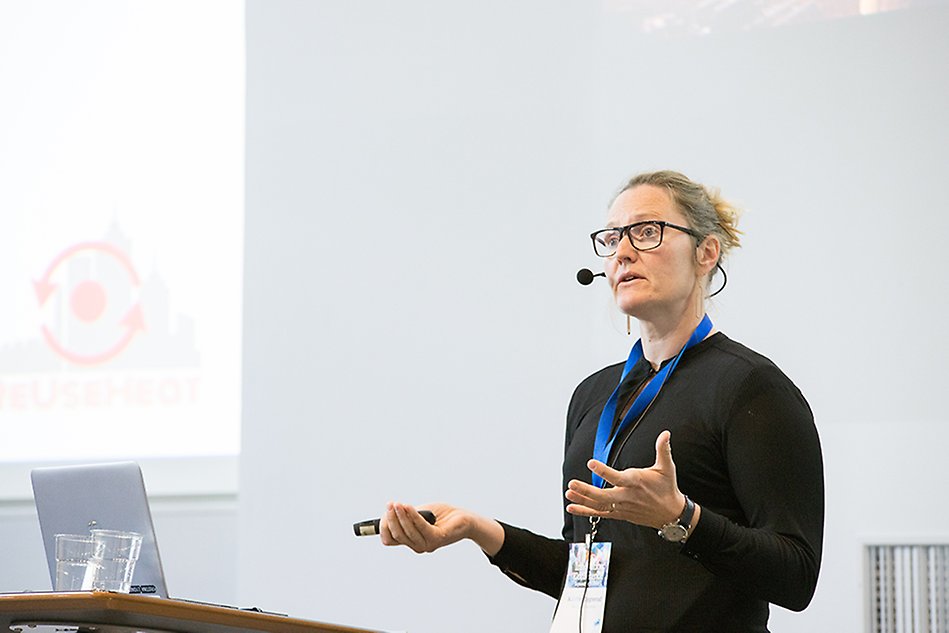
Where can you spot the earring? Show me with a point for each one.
(629, 329)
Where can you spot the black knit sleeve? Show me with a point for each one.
(774, 463)
(531, 560)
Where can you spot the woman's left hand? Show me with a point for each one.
(644, 496)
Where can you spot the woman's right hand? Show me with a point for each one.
(403, 525)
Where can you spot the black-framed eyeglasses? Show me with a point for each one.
(644, 236)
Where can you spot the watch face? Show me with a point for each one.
(673, 532)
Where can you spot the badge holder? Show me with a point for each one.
(584, 592)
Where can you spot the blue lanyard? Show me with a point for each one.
(604, 443)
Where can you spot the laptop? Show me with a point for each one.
(75, 499)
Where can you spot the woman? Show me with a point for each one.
(738, 510)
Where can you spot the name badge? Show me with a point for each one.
(584, 592)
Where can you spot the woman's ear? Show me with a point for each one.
(707, 254)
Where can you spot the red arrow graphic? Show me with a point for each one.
(134, 322)
(44, 288)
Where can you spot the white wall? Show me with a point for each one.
(421, 179)
(413, 194)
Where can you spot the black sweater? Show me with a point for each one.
(746, 450)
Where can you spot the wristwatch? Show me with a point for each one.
(678, 530)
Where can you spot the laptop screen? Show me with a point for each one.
(75, 499)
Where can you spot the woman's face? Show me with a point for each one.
(661, 283)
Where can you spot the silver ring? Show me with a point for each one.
(612, 507)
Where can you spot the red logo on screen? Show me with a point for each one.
(89, 299)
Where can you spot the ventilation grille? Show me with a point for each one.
(909, 588)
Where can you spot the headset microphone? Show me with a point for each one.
(585, 276)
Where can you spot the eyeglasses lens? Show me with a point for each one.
(646, 236)
(606, 242)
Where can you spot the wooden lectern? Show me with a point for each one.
(105, 612)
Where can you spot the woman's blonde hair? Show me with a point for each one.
(706, 211)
